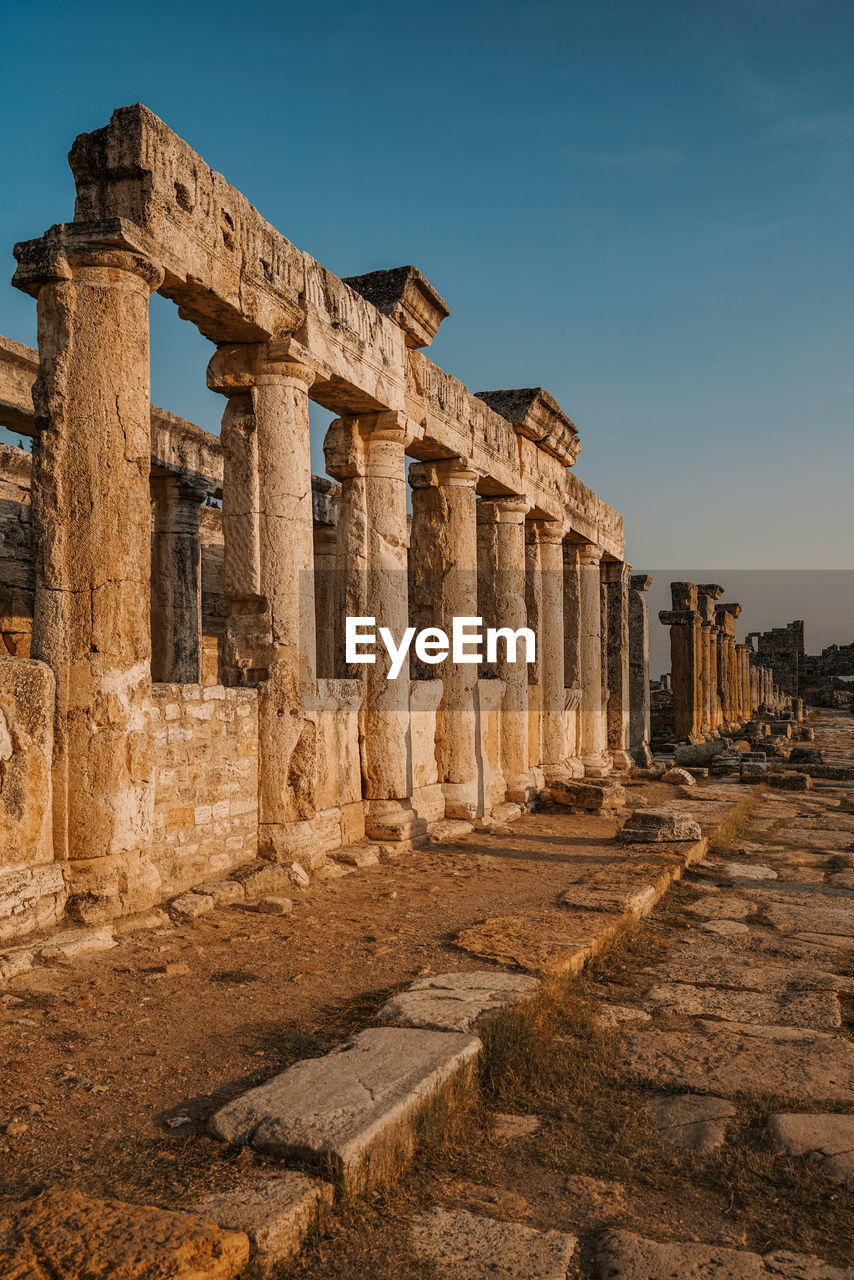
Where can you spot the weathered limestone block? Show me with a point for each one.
(829, 1138)
(274, 1210)
(428, 795)
(31, 898)
(652, 826)
(456, 1001)
(355, 1106)
(691, 1121)
(26, 746)
(339, 777)
(622, 1255)
(471, 1247)
(590, 793)
(489, 699)
(70, 1236)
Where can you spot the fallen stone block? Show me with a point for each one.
(69, 1236)
(457, 1001)
(589, 793)
(655, 826)
(352, 1109)
(223, 891)
(806, 755)
(470, 1247)
(789, 781)
(691, 1121)
(75, 942)
(622, 1255)
(356, 855)
(635, 900)
(829, 1138)
(701, 753)
(189, 906)
(275, 1212)
(274, 906)
(679, 777)
(447, 830)
(545, 942)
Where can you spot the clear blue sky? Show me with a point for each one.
(644, 206)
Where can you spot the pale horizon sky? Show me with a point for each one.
(645, 208)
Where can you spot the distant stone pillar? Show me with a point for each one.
(368, 455)
(615, 577)
(269, 559)
(442, 586)
(639, 702)
(728, 678)
(549, 629)
(743, 663)
(92, 523)
(591, 717)
(501, 603)
(327, 623)
(572, 655)
(708, 593)
(685, 659)
(176, 580)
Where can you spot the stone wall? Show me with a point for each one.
(205, 745)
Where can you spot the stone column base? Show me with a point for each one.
(596, 766)
(392, 820)
(461, 801)
(622, 760)
(292, 842)
(643, 756)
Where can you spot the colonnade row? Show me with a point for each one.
(486, 555)
(716, 685)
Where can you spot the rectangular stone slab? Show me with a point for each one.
(354, 1107)
(732, 1058)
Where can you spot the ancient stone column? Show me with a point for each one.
(743, 651)
(92, 523)
(442, 586)
(685, 659)
(591, 717)
(368, 455)
(269, 553)
(639, 703)
(534, 611)
(176, 579)
(725, 616)
(549, 629)
(572, 654)
(615, 577)
(327, 623)
(707, 594)
(501, 603)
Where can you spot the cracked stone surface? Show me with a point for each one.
(456, 1001)
(827, 1137)
(470, 1247)
(622, 1255)
(732, 1058)
(691, 1121)
(274, 1211)
(352, 1104)
(66, 1235)
(722, 907)
(789, 1009)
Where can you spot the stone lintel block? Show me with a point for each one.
(352, 1109)
(679, 617)
(64, 1233)
(406, 297)
(274, 1210)
(535, 414)
(456, 1001)
(789, 781)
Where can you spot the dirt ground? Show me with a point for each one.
(115, 1061)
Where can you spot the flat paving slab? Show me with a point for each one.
(788, 1008)
(542, 942)
(691, 1121)
(621, 1255)
(470, 1247)
(457, 1001)
(353, 1107)
(732, 1058)
(826, 1137)
(65, 1235)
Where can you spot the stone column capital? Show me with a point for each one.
(548, 532)
(72, 250)
(640, 582)
(388, 424)
(443, 472)
(589, 554)
(507, 509)
(237, 367)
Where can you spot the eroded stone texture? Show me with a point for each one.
(69, 1236)
(691, 1121)
(456, 1001)
(470, 1247)
(622, 1255)
(654, 826)
(274, 1211)
(826, 1137)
